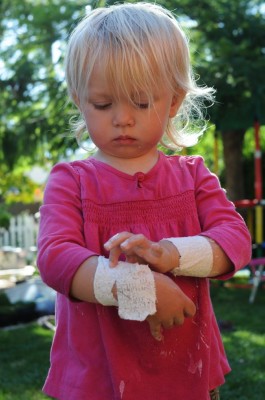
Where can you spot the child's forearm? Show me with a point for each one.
(196, 256)
(82, 287)
(147, 294)
(130, 287)
(221, 263)
(217, 263)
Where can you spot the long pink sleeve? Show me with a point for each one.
(61, 240)
(219, 220)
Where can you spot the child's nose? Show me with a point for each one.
(123, 115)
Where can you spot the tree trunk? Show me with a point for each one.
(233, 159)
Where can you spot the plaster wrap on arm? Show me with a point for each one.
(135, 288)
(196, 256)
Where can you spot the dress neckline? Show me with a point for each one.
(116, 171)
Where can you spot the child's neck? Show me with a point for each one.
(129, 166)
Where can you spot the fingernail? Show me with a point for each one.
(124, 244)
(158, 336)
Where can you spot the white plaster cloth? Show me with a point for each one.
(196, 256)
(135, 288)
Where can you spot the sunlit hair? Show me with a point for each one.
(141, 48)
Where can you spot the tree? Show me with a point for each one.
(34, 111)
(33, 95)
(228, 41)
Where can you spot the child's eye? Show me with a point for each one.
(102, 106)
(142, 105)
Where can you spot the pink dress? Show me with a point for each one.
(95, 354)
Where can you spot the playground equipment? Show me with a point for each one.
(255, 218)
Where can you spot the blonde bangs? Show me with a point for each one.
(131, 74)
(133, 50)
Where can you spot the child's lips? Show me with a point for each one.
(125, 139)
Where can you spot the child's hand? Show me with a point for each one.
(162, 256)
(173, 306)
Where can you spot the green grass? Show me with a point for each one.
(24, 361)
(245, 344)
(24, 352)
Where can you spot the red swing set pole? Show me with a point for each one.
(257, 202)
(258, 174)
(258, 189)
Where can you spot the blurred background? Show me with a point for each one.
(227, 41)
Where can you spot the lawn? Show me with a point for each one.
(24, 352)
(24, 360)
(245, 344)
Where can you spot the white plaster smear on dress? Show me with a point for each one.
(195, 366)
(122, 387)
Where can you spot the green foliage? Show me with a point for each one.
(33, 95)
(16, 186)
(228, 42)
(34, 111)
(4, 217)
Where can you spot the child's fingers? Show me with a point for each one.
(157, 249)
(114, 256)
(116, 240)
(189, 309)
(135, 246)
(135, 241)
(170, 323)
(113, 246)
(142, 247)
(155, 327)
(134, 259)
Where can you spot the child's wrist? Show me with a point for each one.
(172, 255)
(195, 256)
(131, 287)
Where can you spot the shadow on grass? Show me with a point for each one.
(24, 354)
(244, 344)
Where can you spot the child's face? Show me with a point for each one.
(122, 129)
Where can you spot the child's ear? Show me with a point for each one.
(177, 100)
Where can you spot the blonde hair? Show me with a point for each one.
(141, 47)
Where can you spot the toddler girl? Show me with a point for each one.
(129, 237)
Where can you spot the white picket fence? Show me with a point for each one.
(22, 232)
(18, 243)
